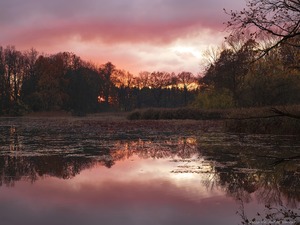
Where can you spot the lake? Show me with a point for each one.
(100, 171)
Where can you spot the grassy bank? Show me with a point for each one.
(276, 125)
(176, 114)
(264, 120)
(246, 120)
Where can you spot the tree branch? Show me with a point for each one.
(282, 113)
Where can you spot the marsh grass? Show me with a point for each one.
(176, 114)
(264, 120)
(276, 125)
(238, 120)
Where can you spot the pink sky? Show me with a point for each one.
(135, 35)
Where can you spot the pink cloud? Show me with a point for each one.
(106, 31)
(51, 26)
(109, 21)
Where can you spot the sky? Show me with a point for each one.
(135, 35)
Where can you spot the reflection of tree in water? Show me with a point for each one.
(249, 171)
(14, 168)
(246, 171)
(278, 214)
(145, 149)
(21, 158)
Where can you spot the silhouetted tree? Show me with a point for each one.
(278, 18)
(12, 76)
(49, 93)
(126, 83)
(29, 85)
(84, 86)
(3, 83)
(159, 81)
(106, 72)
(15, 64)
(230, 69)
(185, 79)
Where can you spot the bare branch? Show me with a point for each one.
(279, 18)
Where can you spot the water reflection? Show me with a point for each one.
(270, 172)
(259, 168)
(163, 174)
(18, 161)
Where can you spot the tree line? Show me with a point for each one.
(236, 78)
(30, 81)
(258, 64)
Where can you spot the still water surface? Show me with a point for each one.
(83, 171)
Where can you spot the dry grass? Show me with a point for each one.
(107, 116)
(242, 120)
(261, 112)
(264, 120)
(176, 114)
(49, 114)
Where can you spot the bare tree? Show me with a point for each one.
(159, 81)
(143, 80)
(106, 71)
(14, 62)
(278, 18)
(186, 79)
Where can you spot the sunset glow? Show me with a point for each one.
(135, 35)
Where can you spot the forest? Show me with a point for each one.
(33, 82)
(30, 81)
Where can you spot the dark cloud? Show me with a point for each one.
(110, 20)
(52, 26)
